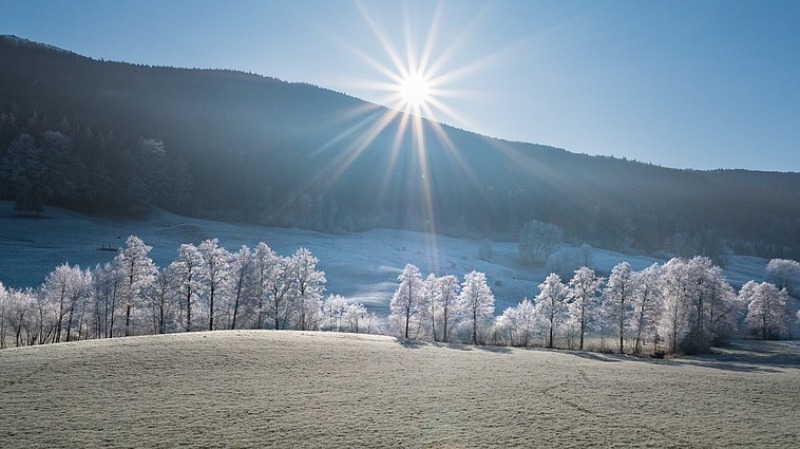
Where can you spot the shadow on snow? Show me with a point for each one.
(417, 344)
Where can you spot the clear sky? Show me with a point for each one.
(689, 84)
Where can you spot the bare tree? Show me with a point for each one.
(766, 307)
(443, 292)
(242, 265)
(537, 241)
(215, 268)
(550, 304)
(138, 270)
(407, 303)
(308, 283)
(582, 296)
(187, 272)
(617, 298)
(477, 301)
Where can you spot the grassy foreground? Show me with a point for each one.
(312, 390)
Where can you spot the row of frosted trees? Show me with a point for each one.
(205, 288)
(684, 305)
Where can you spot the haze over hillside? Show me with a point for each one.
(115, 138)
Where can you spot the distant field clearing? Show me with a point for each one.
(311, 390)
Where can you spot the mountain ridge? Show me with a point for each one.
(247, 147)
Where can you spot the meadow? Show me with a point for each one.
(281, 389)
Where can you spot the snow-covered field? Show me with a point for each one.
(362, 266)
(283, 389)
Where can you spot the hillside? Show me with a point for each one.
(308, 390)
(112, 138)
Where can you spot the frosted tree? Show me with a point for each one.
(215, 268)
(717, 307)
(551, 308)
(334, 310)
(407, 303)
(355, 317)
(477, 302)
(138, 271)
(673, 324)
(699, 296)
(187, 270)
(308, 284)
(159, 296)
(784, 273)
(537, 241)
(429, 315)
(766, 308)
(62, 293)
(265, 267)
(80, 300)
(647, 305)
(699, 306)
(52, 303)
(617, 298)
(109, 282)
(519, 322)
(444, 304)
(583, 296)
(21, 315)
(242, 278)
(280, 285)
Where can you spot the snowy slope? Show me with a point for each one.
(363, 265)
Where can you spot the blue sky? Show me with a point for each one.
(687, 84)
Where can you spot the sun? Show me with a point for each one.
(415, 92)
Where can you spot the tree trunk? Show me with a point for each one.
(161, 317)
(211, 309)
(69, 323)
(19, 334)
(128, 320)
(621, 327)
(110, 329)
(277, 314)
(475, 321)
(189, 307)
(408, 311)
(236, 304)
(583, 322)
(433, 320)
(444, 325)
(408, 318)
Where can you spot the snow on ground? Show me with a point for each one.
(362, 265)
(289, 389)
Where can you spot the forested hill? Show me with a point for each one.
(116, 138)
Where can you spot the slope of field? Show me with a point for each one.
(309, 390)
(363, 266)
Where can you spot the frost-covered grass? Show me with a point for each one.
(253, 389)
(362, 266)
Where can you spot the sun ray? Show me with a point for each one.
(417, 77)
